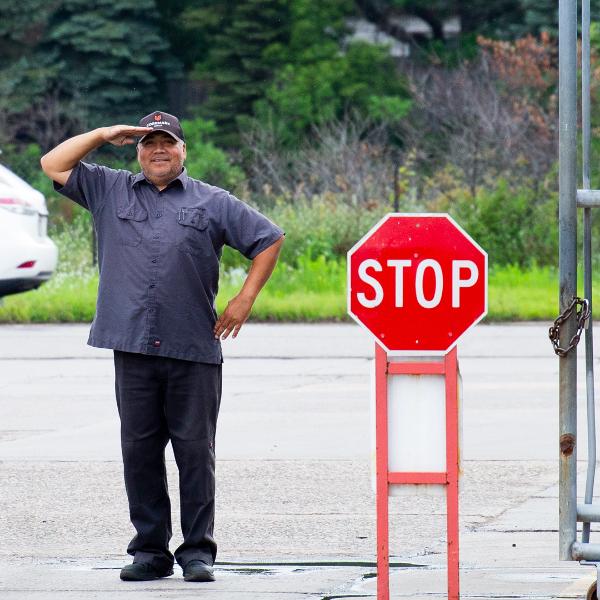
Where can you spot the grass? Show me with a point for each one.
(64, 299)
(314, 291)
(516, 295)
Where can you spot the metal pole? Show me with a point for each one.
(381, 436)
(585, 90)
(452, 468)
(567, 16)
(587, 259)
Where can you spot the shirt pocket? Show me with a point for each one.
(130, 224)
(192, 234)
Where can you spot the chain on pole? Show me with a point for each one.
(581, 306)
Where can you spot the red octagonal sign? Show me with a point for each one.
(417, 282)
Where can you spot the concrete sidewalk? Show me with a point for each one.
(295, 511)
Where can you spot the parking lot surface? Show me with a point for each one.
(295, 509)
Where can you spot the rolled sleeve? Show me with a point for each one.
(247, 230)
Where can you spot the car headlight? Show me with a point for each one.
(18, 206)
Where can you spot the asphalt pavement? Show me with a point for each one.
(295, 508)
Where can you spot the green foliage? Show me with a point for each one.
(315, 291)
(450, 53)
(317, 29)
(22, 76)
(24, 85)
(21, 25)
(539, 15)
(389, 109)
(207, 162)
(511, 19)
(309, 281)
(191, 26)
(321, 78)
(504, 19)
(489, 18)
(242, 62)
(510, 224)
(321, 227)
(286, 62)
(72, 65)
(363, 79)
(68, 299)
(25, 162)
(111, 54)
(75, 245)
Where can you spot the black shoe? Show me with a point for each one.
(142, 571)
(197, 570)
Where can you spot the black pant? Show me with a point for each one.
(160, 399)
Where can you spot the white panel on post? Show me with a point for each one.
(416, 428)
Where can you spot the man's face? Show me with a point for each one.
(161, 157)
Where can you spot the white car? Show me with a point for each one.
(27, 255)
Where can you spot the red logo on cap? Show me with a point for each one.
(157, 117)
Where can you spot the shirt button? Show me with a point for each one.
(154, 260)
(157, 343)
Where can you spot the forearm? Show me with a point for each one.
(238, 308)
(260, 270)
(66, 155)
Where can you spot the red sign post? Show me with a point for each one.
(417, 283)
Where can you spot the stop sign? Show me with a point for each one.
(417, 282)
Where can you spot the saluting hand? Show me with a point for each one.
(233, 317)
(121, 135)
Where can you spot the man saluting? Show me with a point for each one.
(160, 236)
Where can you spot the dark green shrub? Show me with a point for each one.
(207, 162)
(322, 227)
(510, 224)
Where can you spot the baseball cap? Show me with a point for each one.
(162, 121)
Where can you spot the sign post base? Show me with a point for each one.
(447, 366)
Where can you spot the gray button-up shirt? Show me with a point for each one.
(158, 257)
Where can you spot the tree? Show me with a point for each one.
(111, 55)
(492, 116)
(325, 76)
(191, 27)
(242, 62)
(22, 80)
(207, 162)
(363, 79)
(501, 19)
(542, 15)
(476, 16)
(21, 27)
